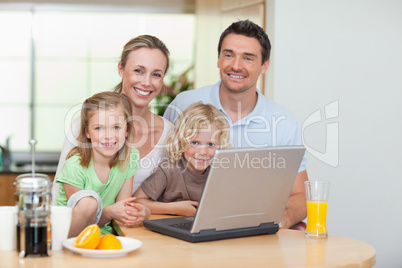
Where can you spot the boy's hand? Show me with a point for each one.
(184, 208)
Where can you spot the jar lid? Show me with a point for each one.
(29, 183)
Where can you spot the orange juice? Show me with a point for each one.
(316, 218)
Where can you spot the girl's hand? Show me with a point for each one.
(124, 212)
(138, 212)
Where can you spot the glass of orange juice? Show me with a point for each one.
(317, 203)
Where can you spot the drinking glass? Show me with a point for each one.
(317, 203)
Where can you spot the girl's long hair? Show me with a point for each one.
(104, 101)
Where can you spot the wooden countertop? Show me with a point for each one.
(287, 248)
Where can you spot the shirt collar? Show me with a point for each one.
(252, 117)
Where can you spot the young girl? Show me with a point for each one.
(143, 64)
(175, 186)
(96, 179)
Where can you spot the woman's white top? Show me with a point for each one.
(147, 164)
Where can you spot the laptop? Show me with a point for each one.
(245, 194)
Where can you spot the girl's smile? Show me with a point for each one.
(107, 130)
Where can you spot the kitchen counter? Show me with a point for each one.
(28, 169)
(21, 162)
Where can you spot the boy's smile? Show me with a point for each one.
(202, 148)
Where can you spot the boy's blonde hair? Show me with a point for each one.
(104, 101)
(188, 125)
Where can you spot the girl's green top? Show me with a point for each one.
(85, 178)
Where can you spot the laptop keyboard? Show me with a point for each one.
(183, 225)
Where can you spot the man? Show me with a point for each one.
(243, 55)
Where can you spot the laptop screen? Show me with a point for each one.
(247, 186)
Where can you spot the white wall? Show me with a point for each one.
(350, 53)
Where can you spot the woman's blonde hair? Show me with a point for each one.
(104, 101)
(188, 124)
(138, 42)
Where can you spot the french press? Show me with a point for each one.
(33, 198)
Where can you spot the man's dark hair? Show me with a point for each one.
(249, 29)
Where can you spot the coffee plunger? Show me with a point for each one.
(33, 198)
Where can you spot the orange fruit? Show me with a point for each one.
(109, 241)
(89, 237)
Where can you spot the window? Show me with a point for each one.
(51, 61)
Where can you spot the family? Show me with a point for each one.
(121, 161)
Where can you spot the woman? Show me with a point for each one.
(143, 65)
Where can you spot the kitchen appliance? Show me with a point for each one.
(33, 198)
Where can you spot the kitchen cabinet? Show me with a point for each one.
(7, 189)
